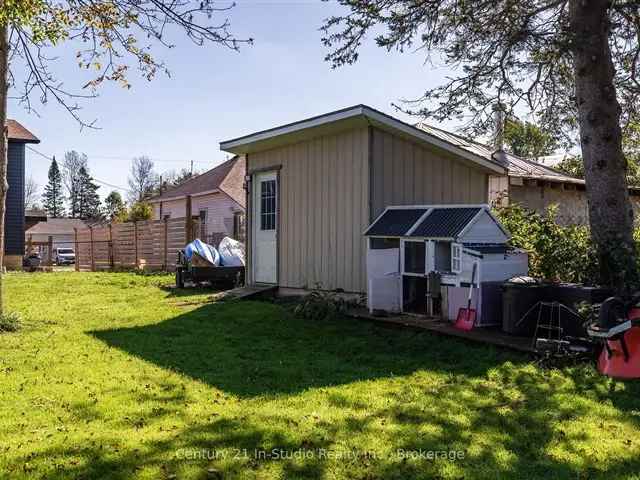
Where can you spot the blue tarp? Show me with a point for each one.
(206, 251)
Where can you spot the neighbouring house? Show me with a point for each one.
(33, 216)
(61, 231)
(14, 219)
(532, 184)
(216, 197)
(314, 186)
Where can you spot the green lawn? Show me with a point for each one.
(114, 376)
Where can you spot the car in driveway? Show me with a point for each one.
(65, 256)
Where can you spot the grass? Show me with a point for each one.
(114, 376)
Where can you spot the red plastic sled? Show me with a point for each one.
(613, 363)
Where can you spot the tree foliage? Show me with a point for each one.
(556, 252)
(73, 163)
(89, 205)
(114, 208)
(140, 211)
(528, 140)
(514, 54)
(53, 198)
(112, 38)
(31, 195)
(143, 179)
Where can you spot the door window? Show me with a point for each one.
(268, 205)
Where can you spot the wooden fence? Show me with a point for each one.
(151, 244)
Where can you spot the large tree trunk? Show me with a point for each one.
(610, 211)
(4, 186)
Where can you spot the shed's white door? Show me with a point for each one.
(265, 224)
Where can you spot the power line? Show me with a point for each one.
(96, 179)
(158, 160)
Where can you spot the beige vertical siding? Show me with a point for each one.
(332, 186)
(404, 173)
(324, 208)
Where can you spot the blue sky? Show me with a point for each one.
(215, 94)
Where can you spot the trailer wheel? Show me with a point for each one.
(179, 278)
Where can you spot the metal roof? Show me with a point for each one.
(395, 222)
(445, 222)
(428, 221)
(516, 166)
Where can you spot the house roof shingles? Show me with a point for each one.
(227, 177)
(56, 226)
(18, 133)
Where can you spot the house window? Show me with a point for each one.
(456, 257)
(414, 257)
(203, 223)
(268, 205)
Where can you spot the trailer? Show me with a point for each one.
(198, 269)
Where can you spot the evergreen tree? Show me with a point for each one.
(53, 198)
(89, 206)
(114, 207)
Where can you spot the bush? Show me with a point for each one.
(321, 305)
(556, 252)
(10, 322)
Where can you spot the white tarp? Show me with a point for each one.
(231, 252)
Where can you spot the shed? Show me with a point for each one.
(420, 252)
(314, 185)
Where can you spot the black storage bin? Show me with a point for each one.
(517, 299)
(491, 301)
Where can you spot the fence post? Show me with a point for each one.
(93, 260)
(135, 242)
(50, 250)
(166, 247)
(188, 228)
(111, 253)
(77, 265)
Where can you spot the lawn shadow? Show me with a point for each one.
(258, 348)
(510, 418)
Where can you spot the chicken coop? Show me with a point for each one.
(424, 259)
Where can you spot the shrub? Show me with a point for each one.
(321, 305)
(556, 252)
(10, 322)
